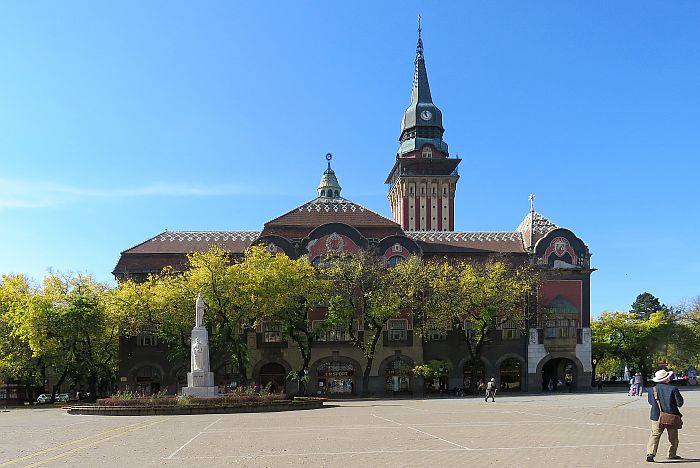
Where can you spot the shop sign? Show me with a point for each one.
(338, 374)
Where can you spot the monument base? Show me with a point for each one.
(200, 391)
(200, 383)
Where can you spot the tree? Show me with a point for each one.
(364, 289)
(480, 298)
(630, 340)
(66, 326)
(435, 369)
(645, 305)
(164, 304)
(17, 361)
(287, 290)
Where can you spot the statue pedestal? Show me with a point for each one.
(200, 383)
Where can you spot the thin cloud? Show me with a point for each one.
(32, 194)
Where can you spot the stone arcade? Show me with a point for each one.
(422, 183)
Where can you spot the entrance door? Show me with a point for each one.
(559, 375)
(274, 374)
(511, 375)
(473, 373)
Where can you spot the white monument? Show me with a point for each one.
(200, 382)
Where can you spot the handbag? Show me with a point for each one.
(667, 420)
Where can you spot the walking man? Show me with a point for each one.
(491, 390)
(670, 399)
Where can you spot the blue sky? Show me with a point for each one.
(120, 120)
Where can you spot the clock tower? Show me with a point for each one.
(423, 180)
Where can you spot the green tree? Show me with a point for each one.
(67, 327)
(477, 299)
(364, 291)
(645, 305)
(17, 361)
(287, 291)
(628, 339)
(164, 304)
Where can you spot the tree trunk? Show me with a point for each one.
(58, 384)
(92, 386)
(370, 359)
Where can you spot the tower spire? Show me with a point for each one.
(424, 177)
(419, 47)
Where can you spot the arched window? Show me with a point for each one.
(395, 260)
(427, 152)
(323, 193)
(335, 193)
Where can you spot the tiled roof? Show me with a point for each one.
(484, 241)
(323, 210)
(453, 236)
(540, 224)
(193, 241)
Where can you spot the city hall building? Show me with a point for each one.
(423, 183)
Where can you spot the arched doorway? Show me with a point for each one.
(559, 374)
(274, 374)
(335, 377)
(472, 373)
(228, 377)
(397, 374)
(511, 375)
(148, 380)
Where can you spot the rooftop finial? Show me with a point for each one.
(532, 202)
(419, 48)
(329, 186)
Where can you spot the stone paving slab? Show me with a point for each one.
(529, 430)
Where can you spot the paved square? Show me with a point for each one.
(600, 429)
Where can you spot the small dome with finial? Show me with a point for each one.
(329, 186)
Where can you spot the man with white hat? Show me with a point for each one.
(670, 399)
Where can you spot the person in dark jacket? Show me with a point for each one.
(671, 399)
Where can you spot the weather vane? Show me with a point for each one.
(532, 201)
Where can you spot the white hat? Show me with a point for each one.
(662, 375)
(493, 379)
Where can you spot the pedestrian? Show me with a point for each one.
(669, 398)
(481, 386)
(600, 383)
(550, 385)
(491, 390)
(639, 383)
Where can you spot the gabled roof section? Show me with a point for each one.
(536, 223)
(195, 241)
(324, 210)
(534, 227)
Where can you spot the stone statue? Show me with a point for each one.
(200, 381)
(200, 353)
(199, 311)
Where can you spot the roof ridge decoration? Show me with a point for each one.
(456, 236)
(207, 236)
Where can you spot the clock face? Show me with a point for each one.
(426, 115)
